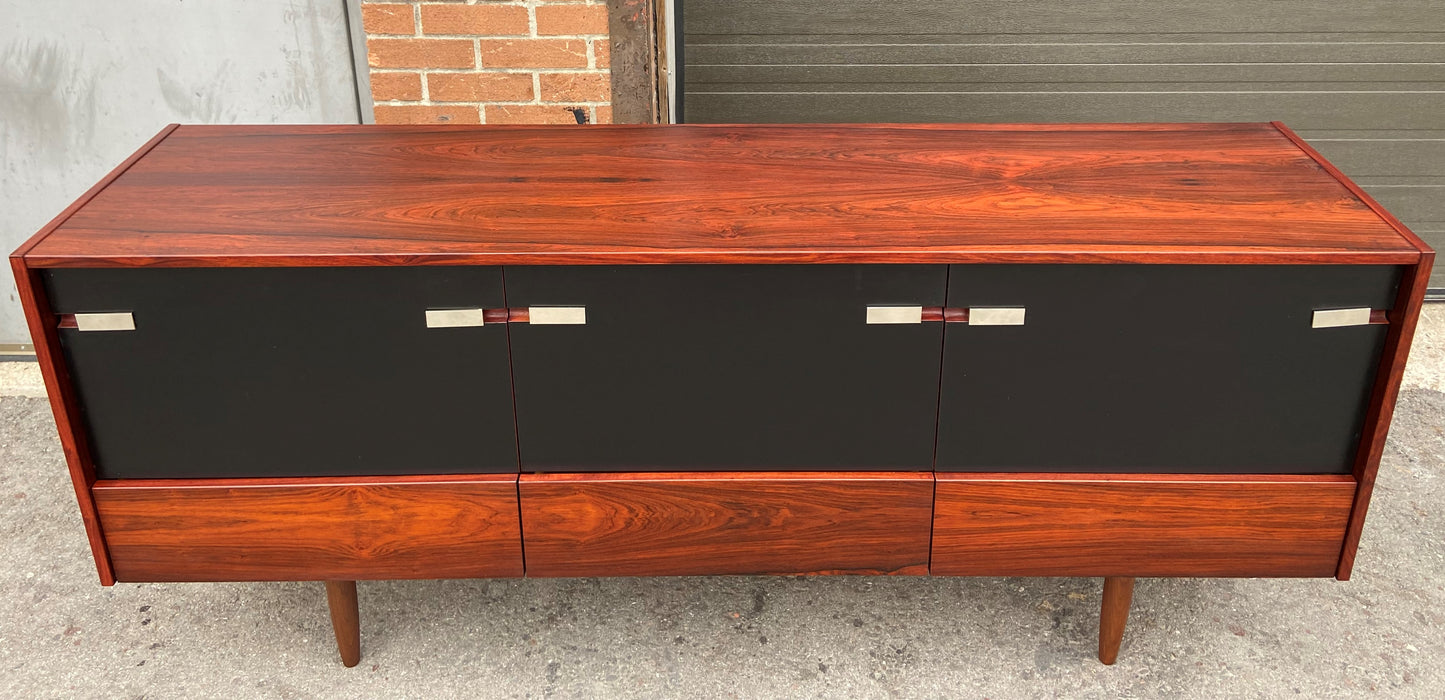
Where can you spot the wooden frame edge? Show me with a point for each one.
(1075, 255)
(64, 406)
(1144, 478)
(298, 481)
(1403, 318)
(722, 475)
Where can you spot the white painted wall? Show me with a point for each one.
(84, 83)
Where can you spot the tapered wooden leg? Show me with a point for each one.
(345, 619)
(1118, 593)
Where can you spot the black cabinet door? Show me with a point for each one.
(726, 367)
(289, 372)
(1159, 368)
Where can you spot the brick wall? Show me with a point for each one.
(468, 62)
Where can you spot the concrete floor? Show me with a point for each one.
(62, 635)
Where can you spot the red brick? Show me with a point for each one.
(604, 114)
(602, 50)
(427, 114)
(395, 86)
(387, 18)
(479, 87)
(420, 53)
(572, 19)
(534, 53)
(532, 114)
(576, 87)
(479, 20)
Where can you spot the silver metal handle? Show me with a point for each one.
(557, 315)
(995, 316)
(1336, 318)
(455, 318)
(894, 314)
(123, 321)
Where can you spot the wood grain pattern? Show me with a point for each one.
(312, 529)
(1081, 525)
(64, 404)
(671, 524)
(1381, 408)
(94, 190)
(1358, 192)
(333, 195)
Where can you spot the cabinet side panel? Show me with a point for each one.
(719, 523)
(1403, 319)
(281, 530)
(63, 405)
(1139, 526)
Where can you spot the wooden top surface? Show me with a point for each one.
(356, 195)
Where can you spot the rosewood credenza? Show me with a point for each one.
(339, 353)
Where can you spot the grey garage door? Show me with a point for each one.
(1364, 82)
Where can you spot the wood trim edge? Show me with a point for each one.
(1145, 478)
(94, 190)
(64, 406)
(693, 477)
(1081, 255)
(1400, 333)
(295, 481)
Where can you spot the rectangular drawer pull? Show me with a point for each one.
(895, 314)
(1336, 318)
(995, 316)
(557, 315)
(105, 322)
(455, 318)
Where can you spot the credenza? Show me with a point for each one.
(339, 353)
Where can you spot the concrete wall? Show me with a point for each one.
(85, 83)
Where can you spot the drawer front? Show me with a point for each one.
(740, 523)
(725, 368)
(1159, 368)
(1012, 525)
(311, 529)
(261, 372)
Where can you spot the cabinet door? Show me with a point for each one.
(1159, 368)
(289, 372)
(741, 367)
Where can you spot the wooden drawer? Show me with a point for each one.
(459, 526)
(1120, 525)
(665, 524)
